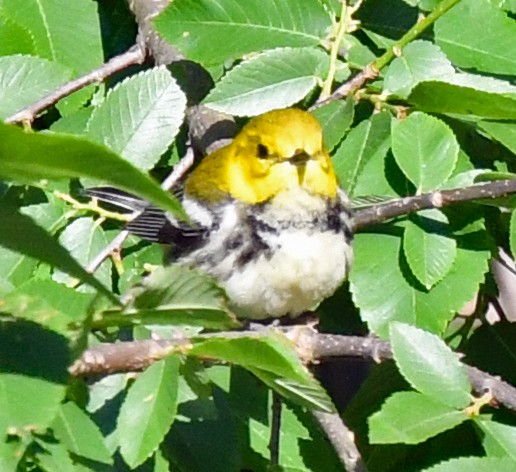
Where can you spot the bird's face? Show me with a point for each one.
(278, 151)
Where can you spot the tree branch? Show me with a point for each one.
(342, 439)
(134, 55)
(371, 71)
(310, 345)
(437, 199)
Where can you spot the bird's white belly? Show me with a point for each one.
(303, 270)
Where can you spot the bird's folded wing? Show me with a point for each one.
(153, 224)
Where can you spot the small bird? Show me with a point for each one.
(268, 219)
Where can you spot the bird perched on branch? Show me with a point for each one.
(268, 219)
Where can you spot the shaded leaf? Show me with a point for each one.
(499, 439)
(335, 118)
(505, 133)
(367, 141)
(442, 97)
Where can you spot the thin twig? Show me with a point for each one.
(437, 199)
(371, 71)
(134, 55)
(274, 442)
(342, 439)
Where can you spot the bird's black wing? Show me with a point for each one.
(153, 224)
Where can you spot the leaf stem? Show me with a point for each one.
(372, 70)
(91, 206)
(345, 25)
(413, 33)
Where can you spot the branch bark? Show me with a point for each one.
(437, 199)
(310, 345)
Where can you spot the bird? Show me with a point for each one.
(268, 219)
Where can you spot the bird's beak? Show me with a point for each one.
(299, 159)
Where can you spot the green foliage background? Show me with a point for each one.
(441, 115)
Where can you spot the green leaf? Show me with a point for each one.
(442, 97)
(47, 303)
(335, 118)
(425, 149)
(105, 389)
(75, 123)
(175, 295)
(419, 61)
(75, 429)
(65, 32)
(29, 157)
(14, 38)
(478, 35)
(428, 246)
(473, 464)
(265, 354)
(268, 351)
(18, 391)
(411, 418)
(377, 265)
(499, 439)
(367, 141)
(26, 79)
(308, 394)
(54, 457)
(15, 268)
(148, 411)
(430, 366)
(10, 454)
(275, 79)
(84, 239)
(22, 235)
(140, 117)
(504, 133)
(212, 31)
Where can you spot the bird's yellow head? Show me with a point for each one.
(277, 151)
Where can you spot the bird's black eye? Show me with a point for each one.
(263, 152)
